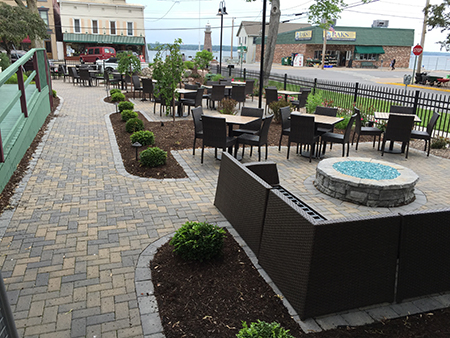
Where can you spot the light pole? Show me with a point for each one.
(222, 11)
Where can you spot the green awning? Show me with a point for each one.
(369, 50)
(104, 39)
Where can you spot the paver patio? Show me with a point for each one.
(72, 242)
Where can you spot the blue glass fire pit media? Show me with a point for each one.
(366, 170)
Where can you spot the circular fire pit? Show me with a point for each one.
(366, 181)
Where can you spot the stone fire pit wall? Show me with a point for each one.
(370, 192)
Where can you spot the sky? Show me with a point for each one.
(166, 20)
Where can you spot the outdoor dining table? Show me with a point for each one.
(319, 119)
(287, 92)
(385, 116)
(238, 83)
(231, 120)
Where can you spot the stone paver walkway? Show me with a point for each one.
(72, 242)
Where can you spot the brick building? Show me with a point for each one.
(346, 46)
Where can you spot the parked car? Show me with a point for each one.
(92, 54)
(110, 64)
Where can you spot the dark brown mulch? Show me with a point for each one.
(212, 299)
(21, 169)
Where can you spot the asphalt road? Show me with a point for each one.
(381, 77)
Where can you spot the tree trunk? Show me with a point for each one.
(275, 14)
(324, 48)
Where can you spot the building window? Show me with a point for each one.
(370, 57)
(129, 28)
(44, 15)
(94, 26)
(76, 26)
(112, 26)
(245, 40)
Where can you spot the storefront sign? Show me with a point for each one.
(341, 36)
(303, 35)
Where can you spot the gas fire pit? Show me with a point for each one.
(366, 181)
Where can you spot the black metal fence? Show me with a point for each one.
(7, 325)
(347, 95)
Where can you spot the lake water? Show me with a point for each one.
(433, 61)
(190, 54)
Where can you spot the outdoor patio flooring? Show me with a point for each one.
(79, 222)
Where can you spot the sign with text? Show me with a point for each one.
(303, 35)
(417, 50)
(341, 36)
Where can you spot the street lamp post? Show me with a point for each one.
(222, 11)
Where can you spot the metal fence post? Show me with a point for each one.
(314, 86)
(7, 319)
(285, 81)
(416, 101)
(356, 92)
(245, 74)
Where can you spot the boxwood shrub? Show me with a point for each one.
(125, 105)
(153, 157)
(144, 137)
(114, 90)
(133, 125)
(196, 241)
(117, 97)
(262, 329)
(128, 114)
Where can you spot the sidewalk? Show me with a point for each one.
(73, 241)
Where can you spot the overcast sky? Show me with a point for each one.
(166, 20)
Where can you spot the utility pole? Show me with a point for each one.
(422, 40)
(232, 26)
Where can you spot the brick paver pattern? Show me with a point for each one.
(69, 252)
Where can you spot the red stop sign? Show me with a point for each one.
(417, 50)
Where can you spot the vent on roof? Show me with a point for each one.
(380, 23)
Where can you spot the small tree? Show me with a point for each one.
(439, 17)
(128, 64)
(168, 68)
(16, 23)
(202, 59)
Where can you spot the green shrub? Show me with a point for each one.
(114, 90)
(263, 330)
(189, 64)
(117, 97)
(125, 105)
(313, 101)
(440, 143)
(54, 93)
(227, 106)
(216, 77)
(4, 61)
(196, 241)
(153, 157)
(343, 123)
(128, 114)
(133, 125)
(144, 137)
(275, 107)
(13, 79)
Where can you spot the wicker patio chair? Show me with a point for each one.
(252, 127)
(401, 110)
(271, 96)
(339, 138)
(215, 135)
(326, 111)
(147, 88)
(136, 85)
(301, 102)
(195, 102)
(398, 128)
(249, 85)
(302, 132)
(75, 75)
(238, 94)
(370, 131)
(256, 140)
(285, 113)
(426, 134)
(198, 126)
(217, 94)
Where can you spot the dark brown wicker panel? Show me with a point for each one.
(323, 267)
(424, 262)
(241, 196)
